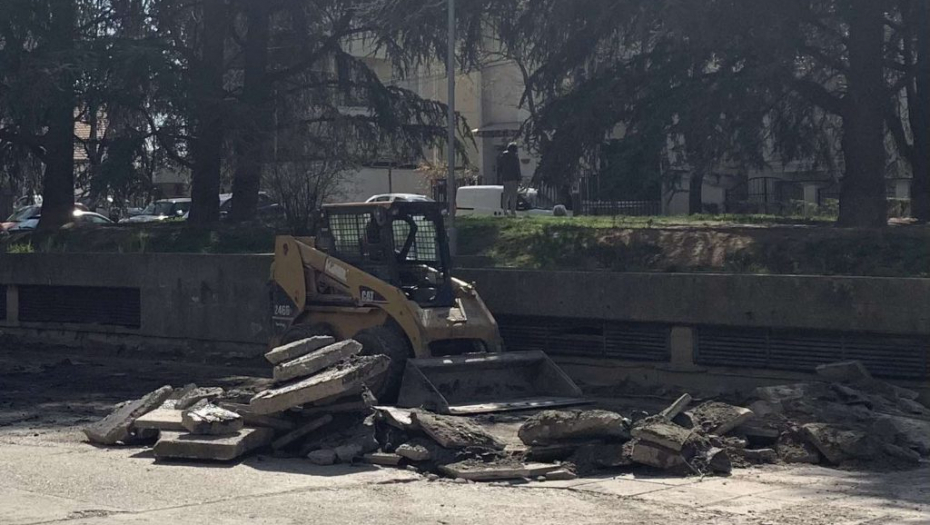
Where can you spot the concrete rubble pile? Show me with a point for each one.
(319, 385)
(847, 417)
(320, 409)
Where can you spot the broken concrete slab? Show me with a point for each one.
(322, 457)
(298, 349)
(909, 406)
(844, 372)
(454, 432)
(837, 444)
(657, 456)
(780, 394)
(160, 419)
(399, 418)
(254, 420)
(555, 426)
(904, 393)
(207, 419)
(196, 395)
(561, 475)
(677, 407)
(766, 409)
(793, 450)
(413, 452)
(338, 408)
(760, 455)
(300, 432)
(657, 431)
(175, 445)
(478, 471)
(719, 418)
(382, 458)
(712, 459)
(115, 428)
(903, 431)
(851, 396)
(241, 396)
(438, 455)
(900, 453)
(347, 453)
(761, 429)
(176, 394)
(333, 382)
(354, 394)
(317, 361)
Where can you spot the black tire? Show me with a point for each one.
(299, 332)
(382, 340)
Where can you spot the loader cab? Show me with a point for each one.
(402, 243)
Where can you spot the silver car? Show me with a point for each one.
(160, 211)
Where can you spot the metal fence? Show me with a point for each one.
(763, 195)
(828, 193)
(629, 208)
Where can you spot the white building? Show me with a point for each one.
(488, 99)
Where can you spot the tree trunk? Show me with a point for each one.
(208, 93)
(696, 193)
(862, 195)
(58, 186)
(252, 136)
(919, 113)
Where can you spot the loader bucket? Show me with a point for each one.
(482, 383)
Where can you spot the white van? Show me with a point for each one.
(484, 201)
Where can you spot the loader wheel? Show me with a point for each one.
(381, 340)
(299, 332)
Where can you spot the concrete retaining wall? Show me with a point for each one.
(898, 306)
(187, 297)
(218, 305)
(225, 297)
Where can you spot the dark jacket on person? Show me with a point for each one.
(508, 167)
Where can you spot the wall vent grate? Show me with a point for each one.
(586, 338)
(80, 305)
(885, 355)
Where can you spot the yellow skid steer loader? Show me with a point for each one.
(380, 273)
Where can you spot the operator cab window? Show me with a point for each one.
(415, 240)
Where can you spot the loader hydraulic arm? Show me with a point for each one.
(364, 289)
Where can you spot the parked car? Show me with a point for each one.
(400, 197)
(160, 211)
(26, 201)
(489, 201)
(81, 217)
(267, 207)
(30, 212)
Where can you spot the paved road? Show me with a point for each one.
(48, 474)
(51, 476)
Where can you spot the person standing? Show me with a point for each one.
(508, 172)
